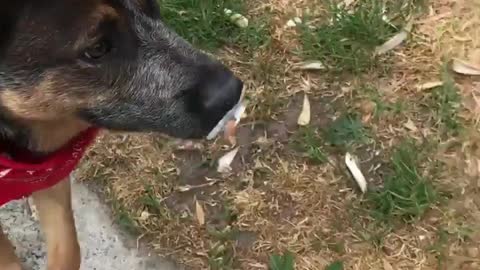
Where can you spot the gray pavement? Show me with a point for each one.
(104, 247)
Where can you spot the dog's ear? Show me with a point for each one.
(150, 7)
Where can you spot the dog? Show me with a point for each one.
(71, 67)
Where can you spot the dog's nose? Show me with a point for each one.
(220, 91)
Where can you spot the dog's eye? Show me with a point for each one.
(98, 50)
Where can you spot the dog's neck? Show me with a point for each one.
(40, 138)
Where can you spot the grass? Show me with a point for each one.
(221, 257)
(124, 219)
(446, 101)
(381, 106)
(205, 24)
(406, 194)
(347, 41)
(345, 131)
(285, 261)
(444, 237)
(310, 142)
(337, 265)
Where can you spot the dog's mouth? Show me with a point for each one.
(228, 124)
(229, 120)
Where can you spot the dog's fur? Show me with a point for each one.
(66, 65)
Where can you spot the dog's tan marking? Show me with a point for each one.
(48, 112)
(48, 136)
(54, 207)
(8, 260)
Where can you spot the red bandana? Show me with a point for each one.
(21, 177)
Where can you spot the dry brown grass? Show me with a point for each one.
(282, 199)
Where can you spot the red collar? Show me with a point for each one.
(23, 176)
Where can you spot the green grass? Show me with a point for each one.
(444, 237)
(446, 103)
(406, 194)
(310, 142)
(222, 254)
(347, 42)
(345, 131)
(221, 257)
(205, 24)
(337, 265)
(282, 262)
(382, 107)
(124, 219)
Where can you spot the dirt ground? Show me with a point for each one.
(289, 194)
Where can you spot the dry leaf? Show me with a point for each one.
(290, 23)
(356, 172)
(238, 19)
(200, 213)
(228, 12)
(304, 117)
(429, 85)
(310, 65)
(387, 265)
(225, 161)
(392, 43)
(144, 216)
(465, 68)
(410, 125)
(293, 22)
(367, 108)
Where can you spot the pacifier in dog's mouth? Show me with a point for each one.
(229, 122)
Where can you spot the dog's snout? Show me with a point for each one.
(220, 91)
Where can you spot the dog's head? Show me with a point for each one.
(110, 63)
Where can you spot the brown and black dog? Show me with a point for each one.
(67, 65)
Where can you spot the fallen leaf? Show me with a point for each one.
(392, 43)
(410, 125)
(228, 12)
(225, 161)
(356, 172)
(367, 108)
(429, 85)
(465, 68)
(200, 213)
(239, 20)
(293, 22)
(387, 265)
(304, 117)
(144, 215)
(366, 118)
(310, 65)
